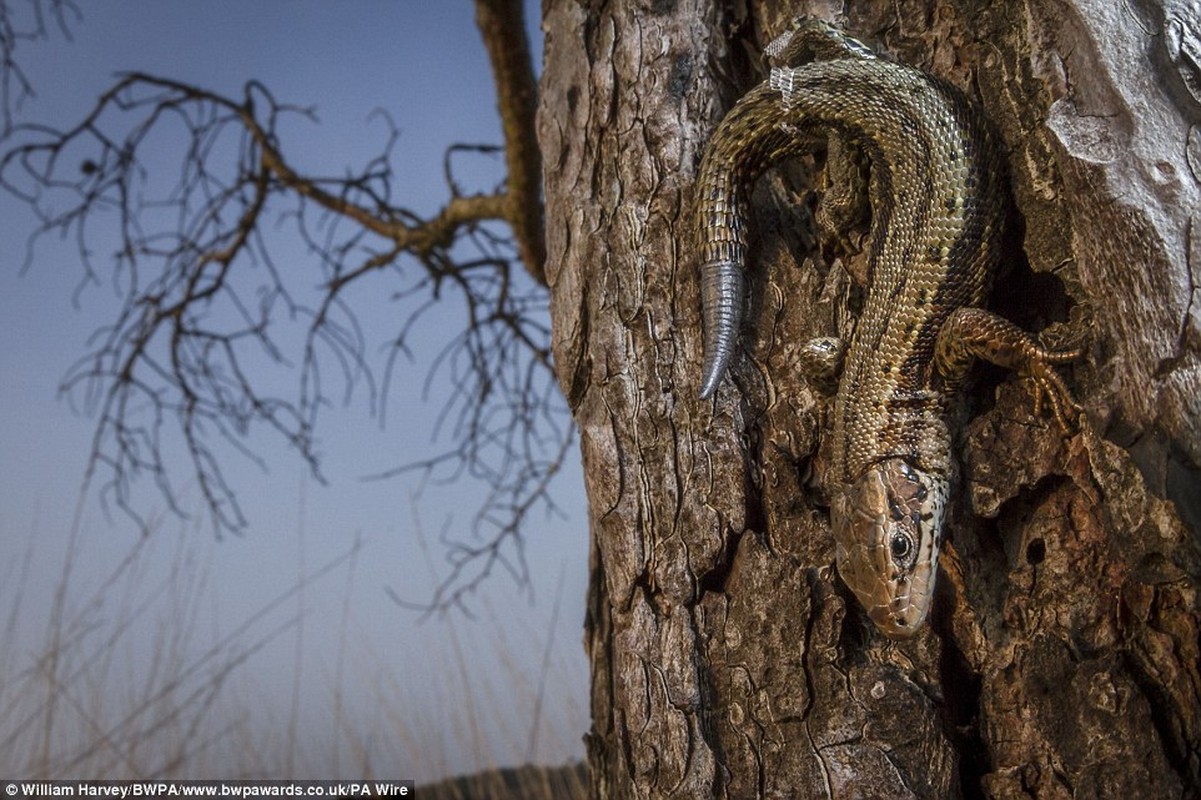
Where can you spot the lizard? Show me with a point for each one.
(938, 205)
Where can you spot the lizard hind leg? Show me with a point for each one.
(820, 360)
(971, 333)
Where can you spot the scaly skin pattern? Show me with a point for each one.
(937, 213)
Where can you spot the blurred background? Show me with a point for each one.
(175, 650)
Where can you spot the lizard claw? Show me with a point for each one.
(1047, 384)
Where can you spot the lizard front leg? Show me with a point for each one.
(971, 333)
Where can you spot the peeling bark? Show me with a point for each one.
(728, 660)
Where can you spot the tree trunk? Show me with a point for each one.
(728, 660)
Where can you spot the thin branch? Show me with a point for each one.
(208, 318)
(27, 21)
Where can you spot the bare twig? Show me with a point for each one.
(26, 21)
(208, 317)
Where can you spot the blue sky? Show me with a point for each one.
(423, 63)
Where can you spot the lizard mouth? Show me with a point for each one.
(899, 618)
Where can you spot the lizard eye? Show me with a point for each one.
(901, 548)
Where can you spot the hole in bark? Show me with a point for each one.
(1036, 551)
(716, 579)
(856, 630)
(1031, 300)
(962, 687)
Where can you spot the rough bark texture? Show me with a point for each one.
(1063, 655)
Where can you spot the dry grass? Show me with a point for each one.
(126, 684)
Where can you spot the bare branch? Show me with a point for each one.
(502, 24)
(209, 322)
(27, 21)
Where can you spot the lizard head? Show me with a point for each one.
(887, 531)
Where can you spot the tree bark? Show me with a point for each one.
(1062, 658)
